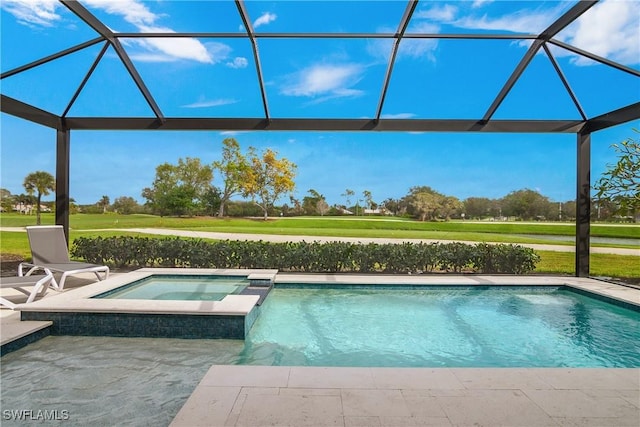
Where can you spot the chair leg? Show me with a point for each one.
(104, 277)
(40, 286)
(54, 284)
(7, 303)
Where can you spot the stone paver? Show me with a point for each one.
(314, 396)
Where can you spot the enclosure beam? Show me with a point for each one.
(63, 139)
(28, 112)
(338, 125)
(583, 204)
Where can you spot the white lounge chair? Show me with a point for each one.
(40, 285)
(49, 251)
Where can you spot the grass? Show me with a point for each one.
(618, 266)
(516, 232)
(601, 265)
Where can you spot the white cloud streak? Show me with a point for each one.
(238, 62)
(523, 21)
(398, 116)
(210, 103)
(33, 12)
(325, 81)
(445, 13)
(610, 29)
(135, 12)
(421, 48)
(479, 3)
(265, 19)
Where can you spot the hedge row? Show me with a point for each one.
(314, 257)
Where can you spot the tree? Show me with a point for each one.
(297, 206)
(425, 203)
(477, 207)
(179, 189)
(449, 206)
(41, 183)
(368, 199)
(6, 200)
(525, 204)
(232, 168)
(211, 201)
(621, 182)
(348, 194)
(394, 206)
(267, 178)
(104, 203)
(125, 205)
(314, 203)
(322, 206)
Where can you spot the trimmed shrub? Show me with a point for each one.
(314, 257)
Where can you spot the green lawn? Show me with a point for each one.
(552, 262)
(342, 227)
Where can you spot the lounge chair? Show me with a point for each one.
(49, 251)
(40, 285)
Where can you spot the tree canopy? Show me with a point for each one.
(268, 178)
(620, 184)
(40, 183)
(179, 189)
(232, 168)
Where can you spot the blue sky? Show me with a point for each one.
(337, 78)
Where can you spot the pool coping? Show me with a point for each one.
(80, 299)
(617, 292)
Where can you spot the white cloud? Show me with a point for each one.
(443, 13)
(420, 48)
(210, 103)
(325, 81)
(398, 116)
(33, 12)
(479, 3)
(265, 19)
(522, 21)
(174, 48)
(238, 62)
(609, 29)
(133, 11)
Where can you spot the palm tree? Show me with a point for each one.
(40, 183)
(104, 202)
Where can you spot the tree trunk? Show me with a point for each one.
(38, 209)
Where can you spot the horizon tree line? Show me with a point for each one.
(187, 189)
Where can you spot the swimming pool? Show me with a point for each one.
(442, 326)
(180, 288)
(305, 324)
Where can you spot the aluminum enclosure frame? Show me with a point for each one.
(581, 128)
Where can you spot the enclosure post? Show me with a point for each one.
(583, 204)
(63, 137)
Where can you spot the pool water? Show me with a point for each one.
(94, 378)
(180, 288)
(447, 327)
(106, 381)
